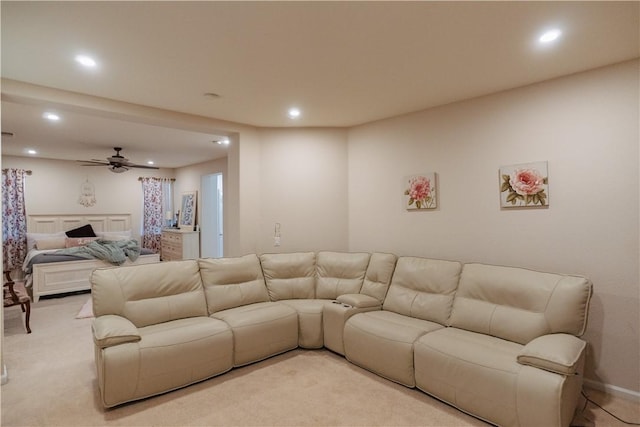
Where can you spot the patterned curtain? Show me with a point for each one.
(153, 218)
(14, 219)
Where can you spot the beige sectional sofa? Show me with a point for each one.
(499, 343)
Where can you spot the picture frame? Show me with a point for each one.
(419, 192)
(524, 185)
(188, 205)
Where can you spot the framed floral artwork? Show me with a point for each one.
(524, 185)
(420, 191)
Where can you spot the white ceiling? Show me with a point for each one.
(341, 63)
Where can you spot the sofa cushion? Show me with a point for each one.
(472, 371)
(340, 273)
(232, 282)
(260, 330)
(382, 342)
(310, 313)
(150, 293)
(378, 276)
(289, 275)
(480, 374)
(423, 288)
(519, 305)
(168, 355)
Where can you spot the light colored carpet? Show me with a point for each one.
(52, 382)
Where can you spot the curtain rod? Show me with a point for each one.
(140, 178)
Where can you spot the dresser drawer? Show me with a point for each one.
(179, 245)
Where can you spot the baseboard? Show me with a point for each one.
(5, 375)
(613, 390)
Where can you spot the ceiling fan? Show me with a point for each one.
(116, 164)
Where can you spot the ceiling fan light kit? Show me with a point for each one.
(118, 169)
(116, 164)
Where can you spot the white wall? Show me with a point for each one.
(303, 177)
(242, 198)
(54, 188)
(586, 127)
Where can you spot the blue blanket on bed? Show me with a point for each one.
(129, 250)
(115, 252)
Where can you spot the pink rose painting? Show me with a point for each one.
(420, 191)
(524, 185)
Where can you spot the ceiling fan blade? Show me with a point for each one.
(93, 163)
(142, 166)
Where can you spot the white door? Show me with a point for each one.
(211, 217)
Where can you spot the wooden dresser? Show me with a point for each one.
(177, 245)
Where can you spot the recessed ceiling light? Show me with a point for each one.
(293, 113)
(86, 61)
(51, 116)
(30, 151)
(550, 36)
(150, 162)
(222, 141)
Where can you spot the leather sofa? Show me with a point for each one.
(500, 343)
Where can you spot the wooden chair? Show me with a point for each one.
(16, 296)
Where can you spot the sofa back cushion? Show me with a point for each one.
(150, 293)
(423, 288)
(378, 275)
(232, 282)
(519, 305)
(290, 276)
(339, 273)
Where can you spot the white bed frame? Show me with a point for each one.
(70, 276)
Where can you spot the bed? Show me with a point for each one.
(51, 278)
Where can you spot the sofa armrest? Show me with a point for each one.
(359, 300)
(559, 353)
(110, 330)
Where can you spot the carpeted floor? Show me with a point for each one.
(52, 382)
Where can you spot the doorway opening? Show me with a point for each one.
(211, 220)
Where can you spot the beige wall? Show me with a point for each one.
(303, 182)
(586, 127)
(242, 198)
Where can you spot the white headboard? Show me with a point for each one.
(56, 223)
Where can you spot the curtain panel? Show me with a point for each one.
(14, 219)
(156, 193)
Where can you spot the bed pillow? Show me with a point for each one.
(72, 242)
(110, 235)
(51, 243)
(32, 238)
(84, 231)
(114, 238)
